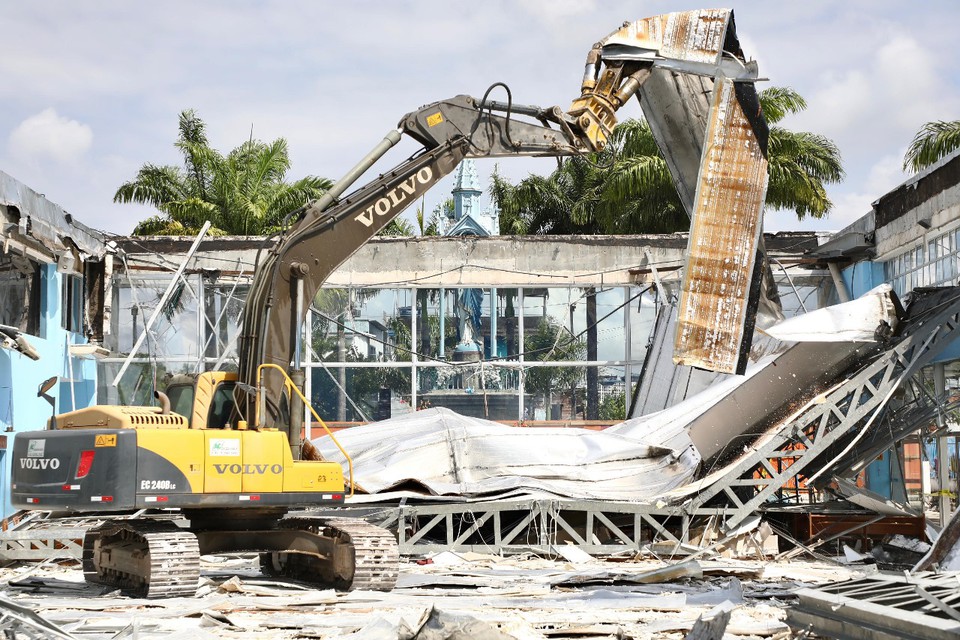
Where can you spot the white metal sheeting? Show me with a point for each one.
(854, 321)
(446, 453)
(438, 452)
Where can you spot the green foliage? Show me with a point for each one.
(801, 164)
(443, 210)
(552, 341)
(614, 407)
(401, 339)
(241, 193)
(627, 188)
(397, 228)
(363, 385)
(779, 102)
(431, 226)
(934, 141)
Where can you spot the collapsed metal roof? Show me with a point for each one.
(32, 223)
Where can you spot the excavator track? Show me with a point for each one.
(150, 559)
(364, 556)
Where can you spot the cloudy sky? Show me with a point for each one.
(91, 90)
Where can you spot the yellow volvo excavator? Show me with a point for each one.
(224, 448)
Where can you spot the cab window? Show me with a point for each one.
(181, 399)
(221, 408)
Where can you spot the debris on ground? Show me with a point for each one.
(466, 595)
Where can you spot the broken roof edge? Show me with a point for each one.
(781, 244)
(45, 222)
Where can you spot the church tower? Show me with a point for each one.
(468, 219)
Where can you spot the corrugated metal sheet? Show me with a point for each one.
(693, 36)
(677, 107)
(714, 313)
(449, 454)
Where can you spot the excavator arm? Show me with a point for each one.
(327, 231)
(664, 49)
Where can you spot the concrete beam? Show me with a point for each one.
(501, 261)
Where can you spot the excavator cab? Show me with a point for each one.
(205, 399)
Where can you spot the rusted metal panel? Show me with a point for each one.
(694, 36)
(719, 293)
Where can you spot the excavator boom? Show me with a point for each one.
(328, 232)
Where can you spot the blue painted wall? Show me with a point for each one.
(863, 276)
(878, 475)
(20, 377)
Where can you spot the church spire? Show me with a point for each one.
(468, 218)
(466, 191)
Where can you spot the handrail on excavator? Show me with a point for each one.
(290, 385)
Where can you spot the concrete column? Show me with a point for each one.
(838, 282)
(493, 323)
(443, 321)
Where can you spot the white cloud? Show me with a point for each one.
(881, 95)
(885, 174)
(51, 136)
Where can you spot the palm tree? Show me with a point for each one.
(934, 141)
(800, 164)
(627, 187)
(242, 193)
(397, 228)
(562, 203)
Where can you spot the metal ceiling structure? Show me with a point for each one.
(918, 607)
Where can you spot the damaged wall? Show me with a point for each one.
(44, 256)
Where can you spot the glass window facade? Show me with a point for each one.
(502, 353)
(934, 261)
